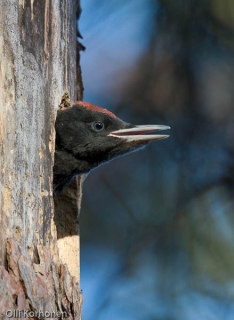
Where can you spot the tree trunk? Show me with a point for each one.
(39, 62)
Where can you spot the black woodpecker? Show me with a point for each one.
(88, 136)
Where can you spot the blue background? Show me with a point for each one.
(157, 238)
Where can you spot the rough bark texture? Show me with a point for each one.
(37, 288)
(38, 63)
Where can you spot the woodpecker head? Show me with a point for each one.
(88, 136)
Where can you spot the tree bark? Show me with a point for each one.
(38, 64)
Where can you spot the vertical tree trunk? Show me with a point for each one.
(38, 63)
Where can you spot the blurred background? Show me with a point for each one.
(157, 226)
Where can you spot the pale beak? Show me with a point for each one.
(140, 133)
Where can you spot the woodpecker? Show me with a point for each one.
(88, 136)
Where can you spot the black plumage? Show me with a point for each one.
(88, 136)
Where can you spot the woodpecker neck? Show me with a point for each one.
(66, 166)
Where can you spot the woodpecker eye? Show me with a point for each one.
(98, 126)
